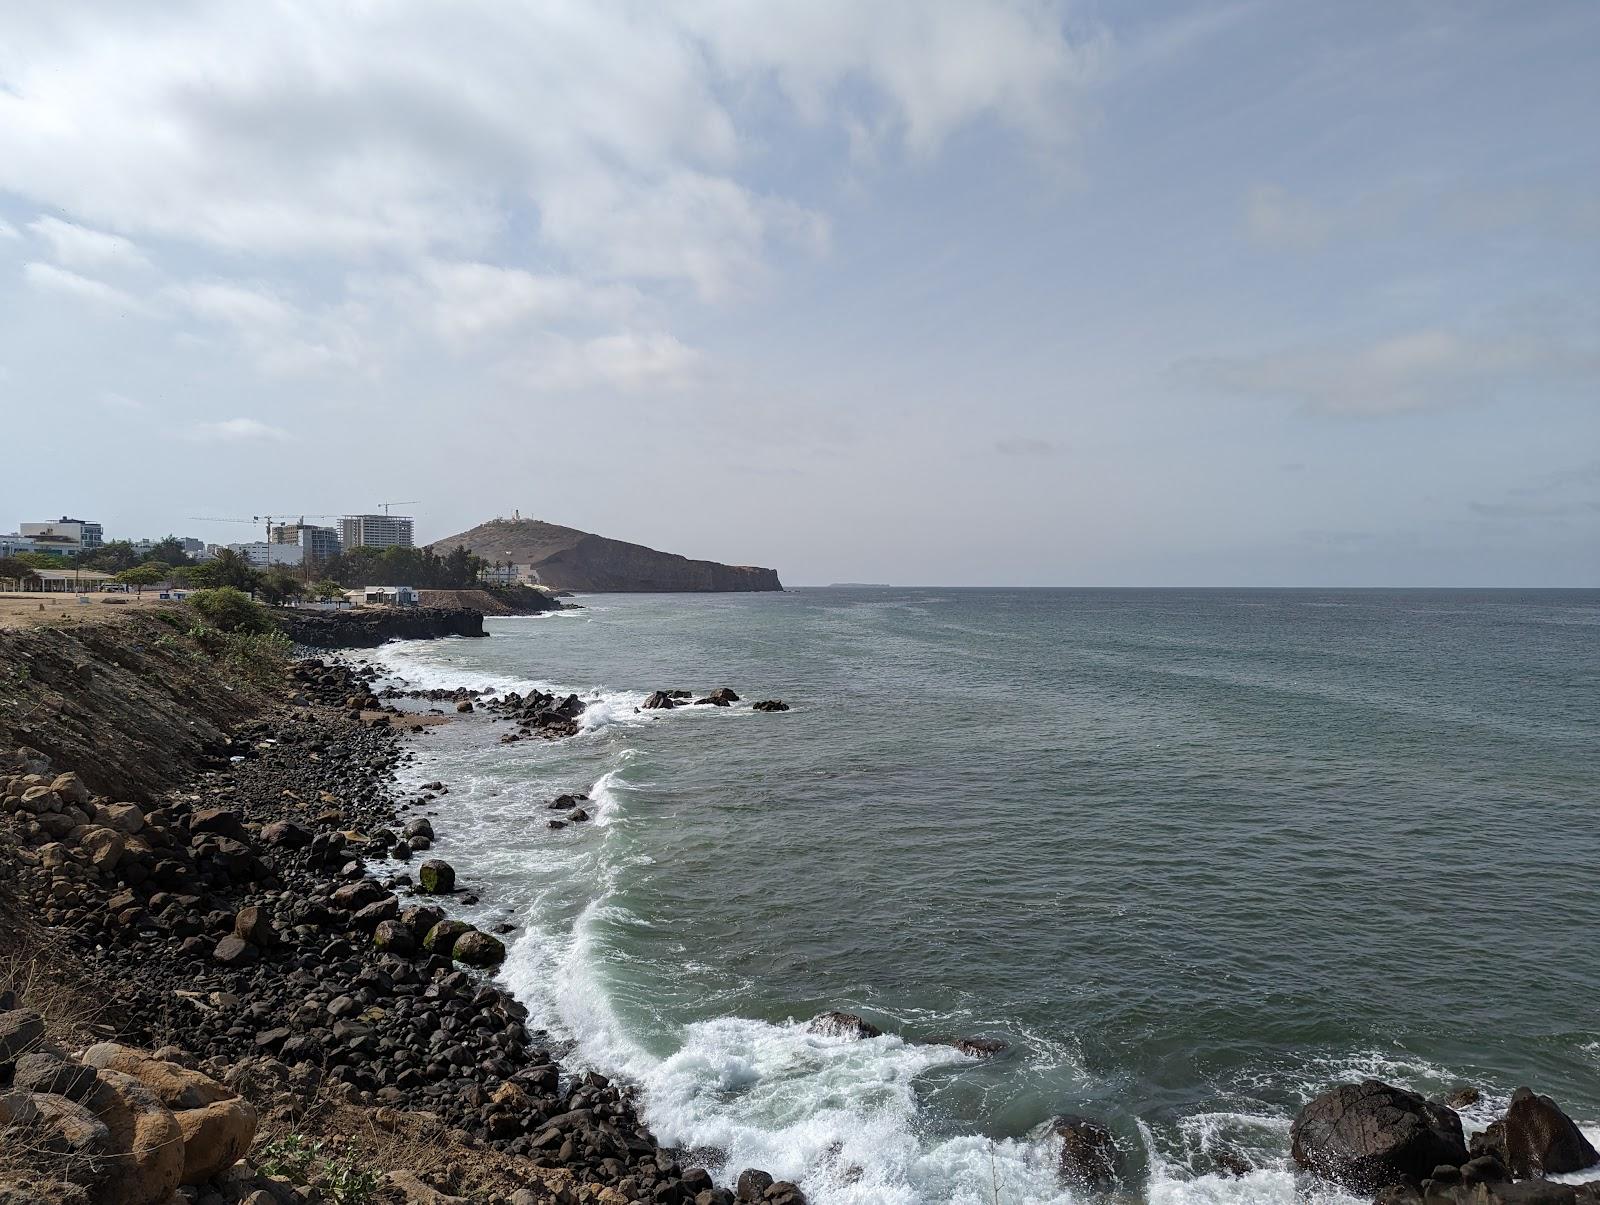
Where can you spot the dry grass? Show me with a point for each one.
(36, 966)
(397, 1140)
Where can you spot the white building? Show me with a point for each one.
(65, 535)
(376, 531)
(503, 574)
(15, 544)
(263, 555)
(390, 596)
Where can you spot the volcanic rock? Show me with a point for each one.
(1535, 1138)
(1090, 1158)
(843, 1025)
(1368, 1135)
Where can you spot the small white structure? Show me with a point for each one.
(390, 596)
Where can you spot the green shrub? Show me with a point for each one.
(300, 1160)
(231, 610)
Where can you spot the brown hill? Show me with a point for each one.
(568, 559)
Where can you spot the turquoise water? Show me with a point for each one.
(1194, 854)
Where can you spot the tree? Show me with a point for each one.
(15, 569)
(231, 610)
(228, 568)
(113, 557)
(277, 586)
(169, 549)
(405, 567)
(326, 590)
(149, 574)
(45, 560)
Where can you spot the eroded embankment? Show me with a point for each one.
(133, 705)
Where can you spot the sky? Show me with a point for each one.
(916, 291)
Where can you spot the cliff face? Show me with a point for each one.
(368, 627)
(568, 559)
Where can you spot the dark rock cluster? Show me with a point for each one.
(1374, 1137)
(538, 714)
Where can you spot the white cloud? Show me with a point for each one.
(279, 336)
(112, 400)
(7, 230)
(80, 247)
(1416, 370)
(83, 288)
(629, 361)
(236, 430)
(420, 130)
(465, 301)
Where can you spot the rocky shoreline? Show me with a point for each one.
(235, 934)
(254, 957)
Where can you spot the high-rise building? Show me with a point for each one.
(317, 543)
(376, 531)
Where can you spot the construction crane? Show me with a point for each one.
(265, 519)
(387, 505)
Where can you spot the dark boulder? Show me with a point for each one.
(1535, 1138)
(352, 897)
(21, 1030)
(442, 938)
(770, 705)
(659, 700)
(254, 925)
(43, 1072)
(234, 951)
(394, 937)
(388, 908)
(1090, 1158)
(843, 1025)
(436, 877)
(979, 1048)
(753, 1184)
(286, 834)
(1369, 1135)
(479, 949)
(219, 821)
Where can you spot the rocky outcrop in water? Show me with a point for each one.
(1368, 1135)
(843, 1025)
(1535, 1138)
(1090, 1158)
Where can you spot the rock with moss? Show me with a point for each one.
(436, 877)
(394, 937)
(442, 938)
(479, 949)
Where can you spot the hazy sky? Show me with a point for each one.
(891, 290)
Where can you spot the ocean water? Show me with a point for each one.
(1195, 855)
